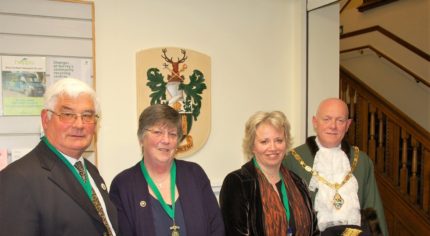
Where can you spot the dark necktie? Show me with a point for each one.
(94, 198)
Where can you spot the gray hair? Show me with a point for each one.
(275, 118)
(71, 87)
(159, 114)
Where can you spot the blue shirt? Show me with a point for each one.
(163, 222)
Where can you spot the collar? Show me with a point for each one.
(321, 147)
(73, 160)
(313, 146)
(249, 169)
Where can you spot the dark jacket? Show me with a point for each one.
(40, 196)
(129, 192)
(241, 204)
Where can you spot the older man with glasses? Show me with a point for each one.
(53, 190)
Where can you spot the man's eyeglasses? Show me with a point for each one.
(159, 133)
(69, 117)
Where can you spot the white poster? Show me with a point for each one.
(17, 153)
(63, 67)
(23, 84)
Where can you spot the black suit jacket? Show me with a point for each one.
(40, 196)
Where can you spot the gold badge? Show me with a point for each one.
(142, 203)
(103, 186)
(351, 232)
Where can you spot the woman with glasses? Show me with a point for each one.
(263, 197)
(160, 195)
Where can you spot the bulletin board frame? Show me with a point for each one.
(62, 32)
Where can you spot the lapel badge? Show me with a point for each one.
(103, 186)
(142, 203)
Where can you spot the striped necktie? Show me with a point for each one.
(94, 198)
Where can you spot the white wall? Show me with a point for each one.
(410, 21)
(323, 63)
(379, 73)
(258, 51)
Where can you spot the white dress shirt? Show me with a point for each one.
(95, 189)
(333, 165)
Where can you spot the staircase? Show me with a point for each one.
(400, 150)
(398, 145)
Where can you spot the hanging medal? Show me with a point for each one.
(169, 210)
(337, 201)
(175, 229)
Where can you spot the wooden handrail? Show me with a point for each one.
(370, 4)
(416, 77)
(344, 6)
(400, 151)
(421, 134)
(390, 35)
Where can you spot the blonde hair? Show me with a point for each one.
(275, 118)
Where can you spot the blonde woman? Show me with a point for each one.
(263, 197)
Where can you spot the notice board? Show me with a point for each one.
(41, 41)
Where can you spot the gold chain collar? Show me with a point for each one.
(337, 199)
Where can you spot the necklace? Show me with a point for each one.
(169, 210)
(337, 199)
(160, 184)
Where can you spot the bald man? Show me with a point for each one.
(343, 182)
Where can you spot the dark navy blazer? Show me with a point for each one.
(129, 192)
(40, 196)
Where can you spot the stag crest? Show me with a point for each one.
(184, 95)
(175, 71)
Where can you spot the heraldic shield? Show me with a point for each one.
(181, 78)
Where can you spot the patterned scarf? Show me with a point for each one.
(275, 219)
